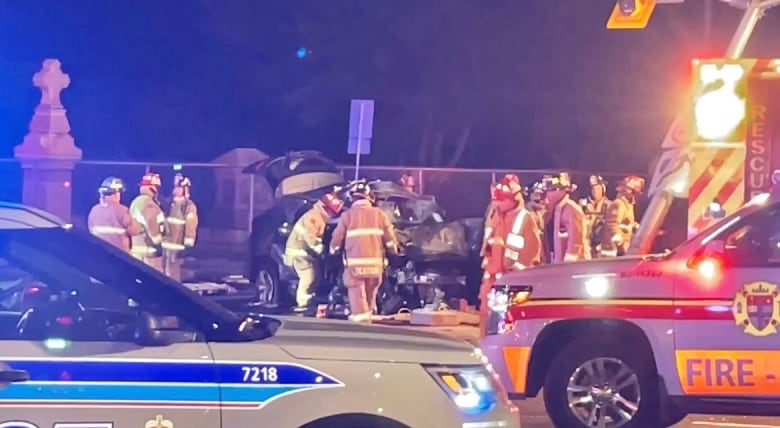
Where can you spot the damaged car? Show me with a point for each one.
(438, 256)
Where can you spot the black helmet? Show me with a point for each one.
(361, 190)
(110, 186)
(561, 181)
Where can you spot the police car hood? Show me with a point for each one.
(562, 273)
(318, 339)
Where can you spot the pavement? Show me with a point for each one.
(535, 416)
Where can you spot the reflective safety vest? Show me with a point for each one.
(147, 212)
(514, 244)
(182, 225)
(112, 223)
(305, 239)
(366, 234)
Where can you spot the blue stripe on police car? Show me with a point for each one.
(159, 381)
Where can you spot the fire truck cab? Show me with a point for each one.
(640, 341)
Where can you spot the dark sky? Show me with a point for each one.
(537, 83)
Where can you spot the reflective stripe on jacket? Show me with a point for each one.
(569, 242)
(112, 222)
(365, 233)
(514, 243)
(147, 212)
(619, 224)
(305, 239)
(182, 224)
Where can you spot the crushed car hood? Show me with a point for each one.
(310, 338)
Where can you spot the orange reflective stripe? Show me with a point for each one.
(516, 360)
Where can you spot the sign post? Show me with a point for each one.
(361, 125)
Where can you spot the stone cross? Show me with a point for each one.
(51, 81)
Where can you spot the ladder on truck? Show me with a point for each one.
(670, 178)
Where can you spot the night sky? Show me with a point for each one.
(527, 83)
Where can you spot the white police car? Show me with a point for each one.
(92, 338)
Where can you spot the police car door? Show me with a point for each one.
(62, 371)
(728, 311)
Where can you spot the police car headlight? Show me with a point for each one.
(472, 389)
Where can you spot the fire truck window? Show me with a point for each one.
(755, 242)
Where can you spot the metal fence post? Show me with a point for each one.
(251, 201)
(420, 180)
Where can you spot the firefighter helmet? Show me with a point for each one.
(110, 186)
(509, 187)
(561, 181)
(361, 190)
(333, 202)
(597, 180)
(538, 188)
(151, 179)
(179, 180)
(634, 183)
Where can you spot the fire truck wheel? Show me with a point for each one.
(604, 384)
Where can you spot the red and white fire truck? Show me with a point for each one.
(641, 340)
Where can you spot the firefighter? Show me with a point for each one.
(407, 181)
(513, 244)
(594, 207)
(619, 219)
(568, 220)
(146, 210)
(537, 206)
(488, 221)
(368, 239)
(304, 245)
(182, 226)
(109, 219)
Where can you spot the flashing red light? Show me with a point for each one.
(709, 268)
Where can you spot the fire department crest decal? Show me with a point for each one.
(159, 422)
(757, 308)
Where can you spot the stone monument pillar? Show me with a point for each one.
(48, 152)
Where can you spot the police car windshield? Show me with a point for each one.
(75, 259)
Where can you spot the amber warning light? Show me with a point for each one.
(631, 14)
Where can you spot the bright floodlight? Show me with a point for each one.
(719, 113)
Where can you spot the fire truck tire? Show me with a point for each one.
(575, 355)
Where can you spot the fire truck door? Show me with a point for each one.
(727, 326)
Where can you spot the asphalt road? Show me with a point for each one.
(534, 416)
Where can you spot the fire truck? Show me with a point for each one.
(640, 341)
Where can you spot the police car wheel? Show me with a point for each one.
(601, 384)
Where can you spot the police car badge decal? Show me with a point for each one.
(757, 308)
(158, 422)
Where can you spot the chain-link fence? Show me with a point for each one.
(465, 192)
(228, 199)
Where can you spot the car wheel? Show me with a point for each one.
(266, 282)
(601, 384)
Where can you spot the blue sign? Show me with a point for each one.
(361, 127)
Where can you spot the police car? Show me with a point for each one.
(92, 338)
(641, 341)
